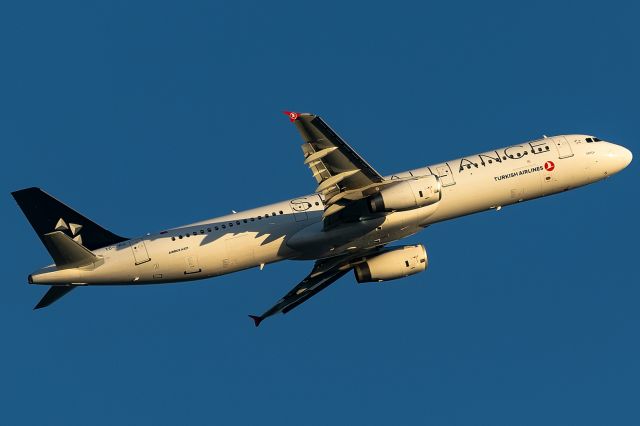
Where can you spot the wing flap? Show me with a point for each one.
(308, 288)
(324, 273)
(329, 156)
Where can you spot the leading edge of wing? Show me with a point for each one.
(329, 156)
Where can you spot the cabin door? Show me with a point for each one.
(563, 146)
(140, 253)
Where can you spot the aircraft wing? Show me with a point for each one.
(340, 172)
(324, 273)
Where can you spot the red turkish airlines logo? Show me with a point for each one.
(549, 166)
(293, 116)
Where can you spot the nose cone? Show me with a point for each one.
(619, 158)
(626, 156)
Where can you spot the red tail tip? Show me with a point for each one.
(256, 319)
(293, 116)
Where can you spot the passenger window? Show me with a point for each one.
(202, 231)
(273, 214)
(230, 224)
(259, 217)
(224, 227)
(252, 219)
(317, 203)
(180, 236)
(208, 229)
(173, 238)
(237, 222)
(216, 228)
(281, 212)
(245, 220)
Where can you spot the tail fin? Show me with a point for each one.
(46, 215)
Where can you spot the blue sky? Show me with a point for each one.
(147, 115)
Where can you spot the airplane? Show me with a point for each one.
(346, 225)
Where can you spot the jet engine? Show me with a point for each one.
(407, 194)
(398, 262)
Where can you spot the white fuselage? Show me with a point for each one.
(292, 229)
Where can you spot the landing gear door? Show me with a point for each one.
(140, 253)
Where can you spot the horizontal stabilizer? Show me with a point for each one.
(67, 253)
(54, 293)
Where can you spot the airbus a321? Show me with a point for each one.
(345, 225)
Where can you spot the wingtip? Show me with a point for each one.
(293, 116)
(256, 319)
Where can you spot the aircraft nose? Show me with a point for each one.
(620, 157)
(627, 156)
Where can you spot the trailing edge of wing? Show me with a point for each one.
(324, 273)
(334, 164)
(309, 287)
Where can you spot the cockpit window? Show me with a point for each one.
(593, 140)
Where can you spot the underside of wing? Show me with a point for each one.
(325, 272)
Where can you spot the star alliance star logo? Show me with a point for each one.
(73, 228)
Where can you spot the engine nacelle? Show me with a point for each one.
(407, 194)
(399, 262)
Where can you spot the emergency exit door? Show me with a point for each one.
(299, 208)
(443, 171)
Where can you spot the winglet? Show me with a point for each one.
(256, 319)
(293, 116)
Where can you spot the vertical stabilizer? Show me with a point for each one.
(46, 215)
